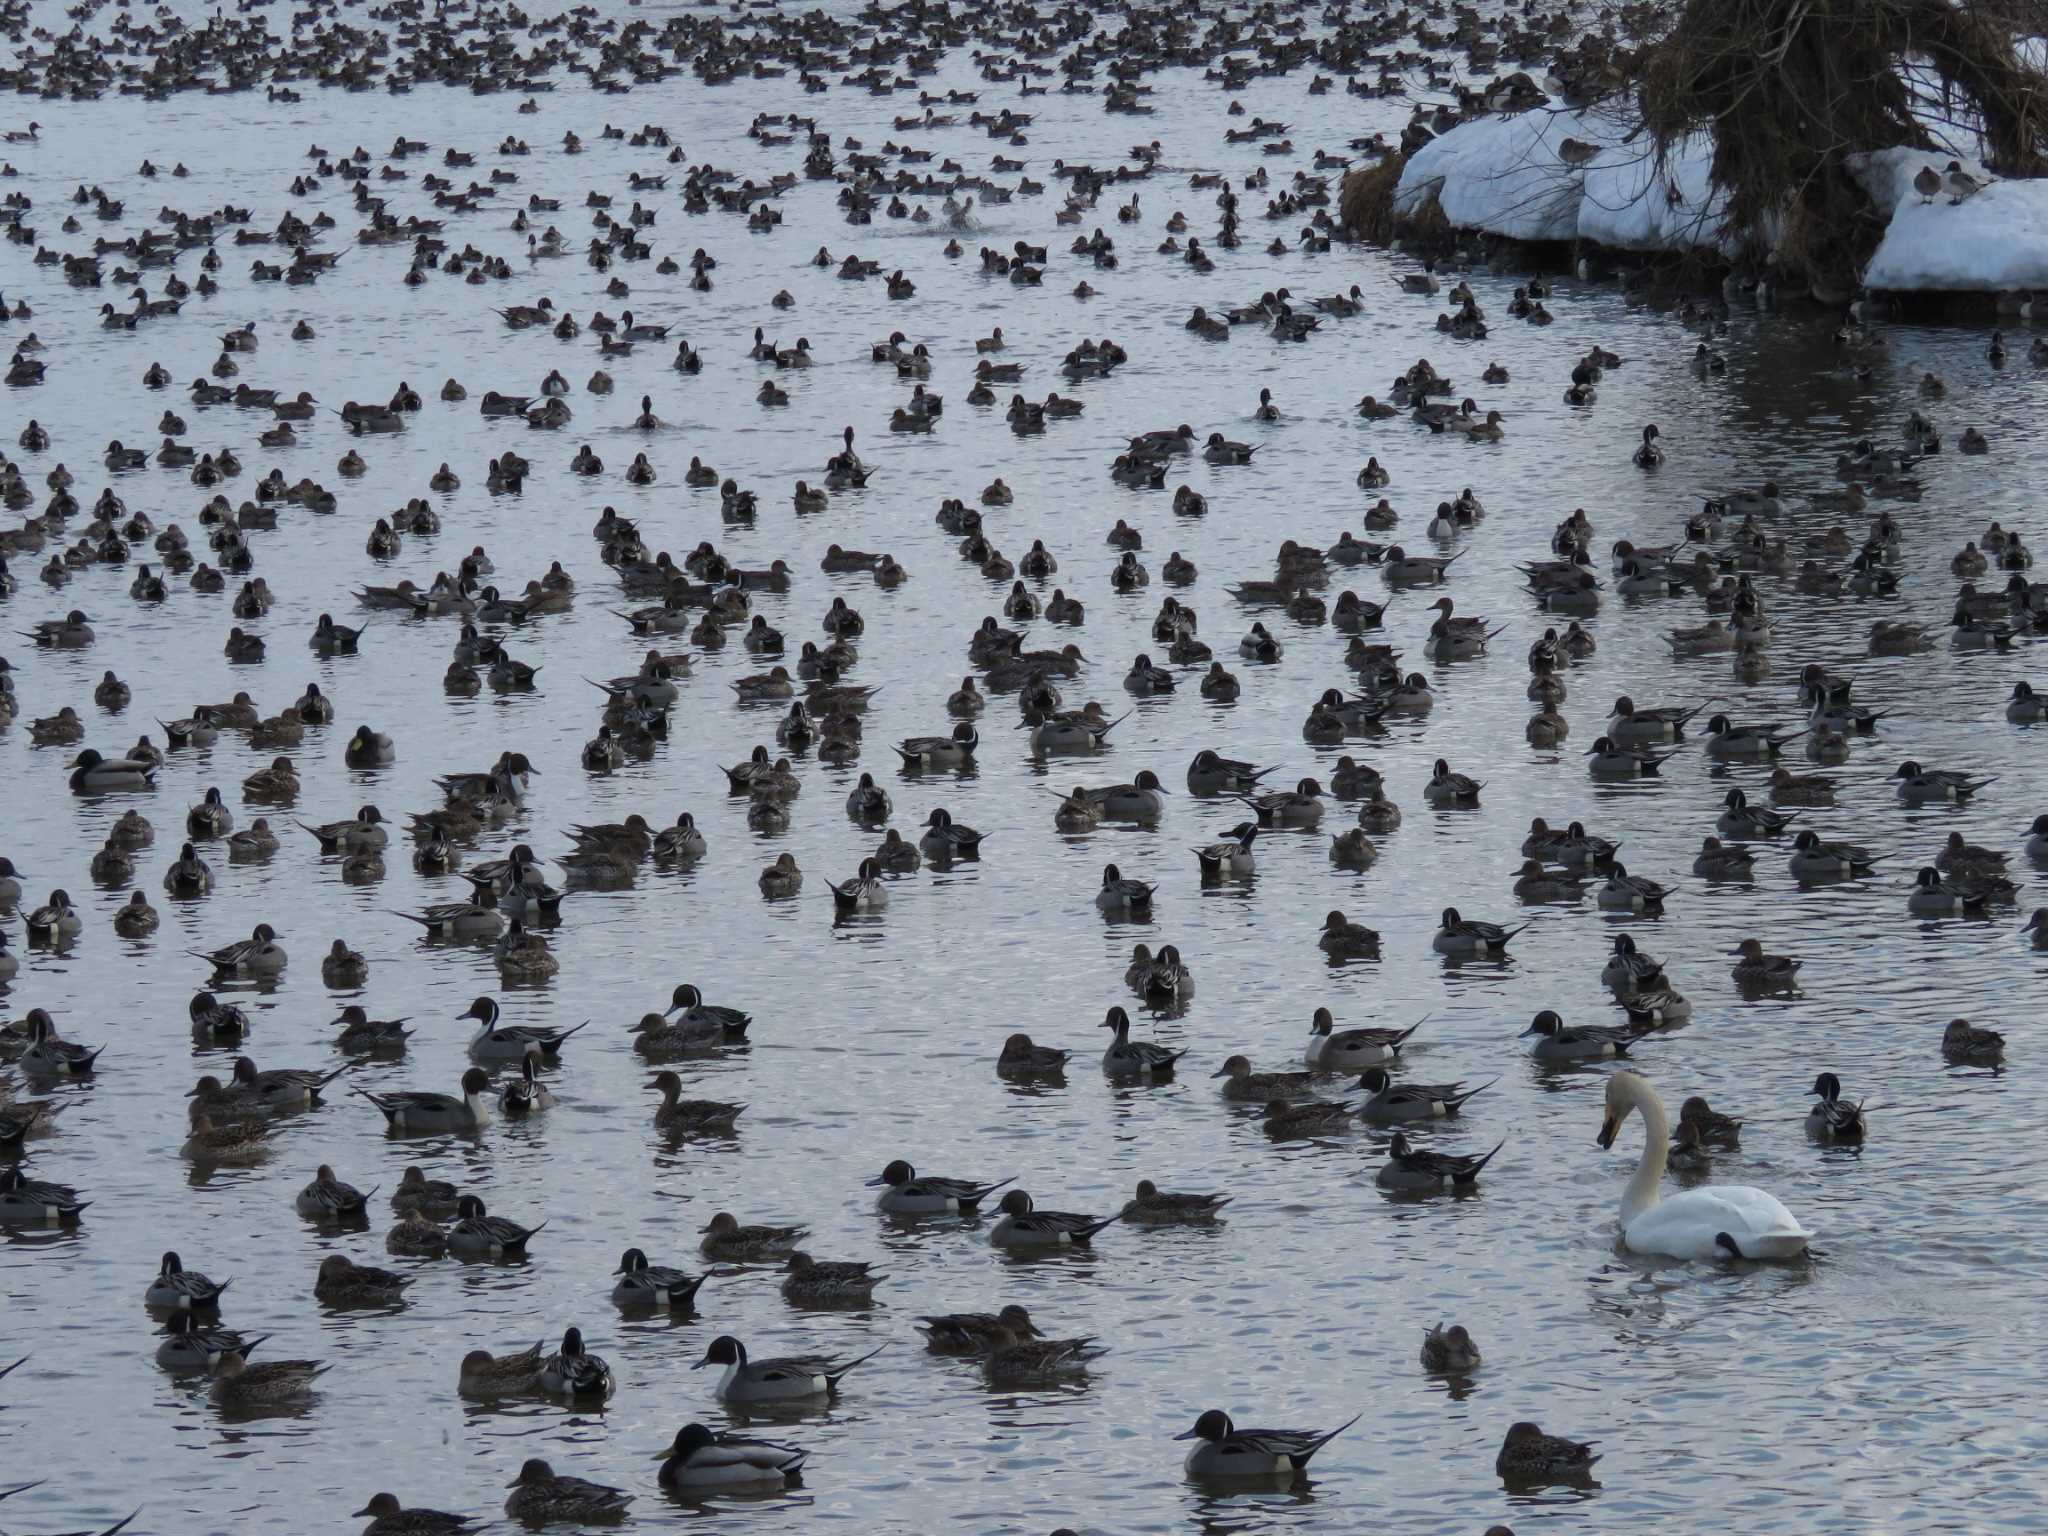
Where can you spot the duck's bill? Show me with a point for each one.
(1609, 1128)
(1190, 1435)
(876, 1182)
(1531, 1030)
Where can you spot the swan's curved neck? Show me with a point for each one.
(1645, 1187)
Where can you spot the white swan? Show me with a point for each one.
(1696, 1223)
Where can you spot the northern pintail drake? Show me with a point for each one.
(55, 920)
(1223, 1452)
(1391, 1103)
(1126, 1057)
(699, 1461)
(1745, 822)
(1022, 1225)
(1118, 894)
(1747, 743)
(478, 1234)
(863, 892)
(1142, 800)
(1919, 785)
(1527, 1455)
(510, 1042)
(1211, 774)
(1661, 725)
(1412, 1170)
(945, 839)
(1156, 1207)
(1955, 896)
(525, 1094)
(906, 1193)
(48, 1055)
(329, 1199)
(1230, 857)
(642, 1284)
(178, 1288)
(1449, 1351)
(259, 955)
(342, 1282)
(1813, 859)
(191, 1346)
(572, 1371)
(687, 1006)
(1301, 806)
(37, 1202)
(542, 1496)
(1557, 1041)
(1446, 788)
(1458, 935)
(1609, 759)
(280, 1089)
(1624, 892)
(1629, 970)
(785, 1379)
(677, 1115)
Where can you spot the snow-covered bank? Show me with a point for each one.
(1548, 175)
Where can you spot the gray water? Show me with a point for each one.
(1871, 1386)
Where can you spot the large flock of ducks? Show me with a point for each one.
(180, 530)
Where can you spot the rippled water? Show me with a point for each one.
(1873, 1385)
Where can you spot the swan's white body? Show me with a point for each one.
(1693, 1223)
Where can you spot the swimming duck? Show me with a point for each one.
(541, 1496)
(1135, 1058)
(699, 1461)
(93, 774)
(478, 1234)
(418, 1111)
(180, 1289)
(785, 1379)
(240, 1385)
(1449, 1351)
(1223, 1452)
(1813, 859)
(510, 1042)
(1021, 1058)
(1391, 1104)
(1529, 1457)
(1624, 892)
(905, 1193)
(678, 1116)
(1457, 935)
(1022, 1225)
(1744, 822)
(572, 1371)
(1758, 969)
(486, 1375)
(327, 1198)
(1830, 1119)
(1962, 1041)
(341, 1282)
(1918, 786)
(191, 1346)
(1559, 1042)
(1230, 857)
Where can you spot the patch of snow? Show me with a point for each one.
(1505, 175)
(1990, 243)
